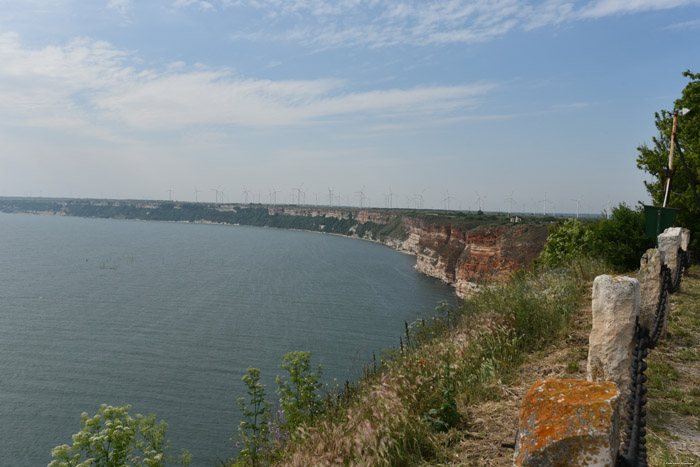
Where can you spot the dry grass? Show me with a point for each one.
(491, 369)
(466, 375)
(495, 422)
(674, 382)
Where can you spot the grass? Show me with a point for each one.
(415, 408)
(450, 394)
(674, 382)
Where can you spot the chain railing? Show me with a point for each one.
(633, 452)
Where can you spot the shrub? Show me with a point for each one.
(299, 396)
(620, 241)
(114, 438)
(566, 241)
(254, 428)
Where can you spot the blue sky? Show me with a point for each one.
(125, 99)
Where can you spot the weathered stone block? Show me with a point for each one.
(669, 242)
(566, 422)
(615, 309)
(649, 278)
(685, 238)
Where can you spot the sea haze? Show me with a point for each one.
(167, 317)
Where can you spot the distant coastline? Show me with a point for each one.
(463, 249)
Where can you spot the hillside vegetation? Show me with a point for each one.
(449, 393)
(414, 406)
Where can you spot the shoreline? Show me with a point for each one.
(462, 250)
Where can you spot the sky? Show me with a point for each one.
(442, 103)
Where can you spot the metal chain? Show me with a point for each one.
(634, 452)
(661, 306)
(680, 262)
(634, 443)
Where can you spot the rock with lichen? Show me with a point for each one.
(565, 422)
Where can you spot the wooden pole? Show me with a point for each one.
(667, 192)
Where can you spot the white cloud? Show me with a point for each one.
(601, 8)
(204, 5)
(377, 23)
(122, 6)
(684, 26)
(90, 86)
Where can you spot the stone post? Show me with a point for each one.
(649, 278)
(669, 242)
(615, 309)
(685, 238)
(566, 422)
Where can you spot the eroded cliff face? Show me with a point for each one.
(465, 258)
(360, 215)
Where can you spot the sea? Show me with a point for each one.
(167, 317)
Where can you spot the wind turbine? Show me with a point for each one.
(447, 200)
(362, 195)
(391, 198)
(510, 203)
(479, 204)
(274, 195)
(578, 202)
(245, 193)
(216, 191)
(299, 192)
(544, 206)
(418, 199)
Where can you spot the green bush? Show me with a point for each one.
(566, 241)
(620, 241)
(299, 396)
(114, 438)
(254, 428)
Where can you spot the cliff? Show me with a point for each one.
(462, 256)
(461, 249)
(468, 257)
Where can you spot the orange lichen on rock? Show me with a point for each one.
(567, 422)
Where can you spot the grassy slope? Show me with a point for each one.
(463, 376)
(490, 360)
(673, 390)
(674, 382)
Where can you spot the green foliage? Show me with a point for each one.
(653, 159)
(620, 241)
(405, 413)
(566, 241)
(112, 438)
(299, 396)
(254, 428)
(445, 416)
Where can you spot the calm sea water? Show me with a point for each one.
(167, 317)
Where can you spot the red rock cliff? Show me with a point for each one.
(467, 258)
